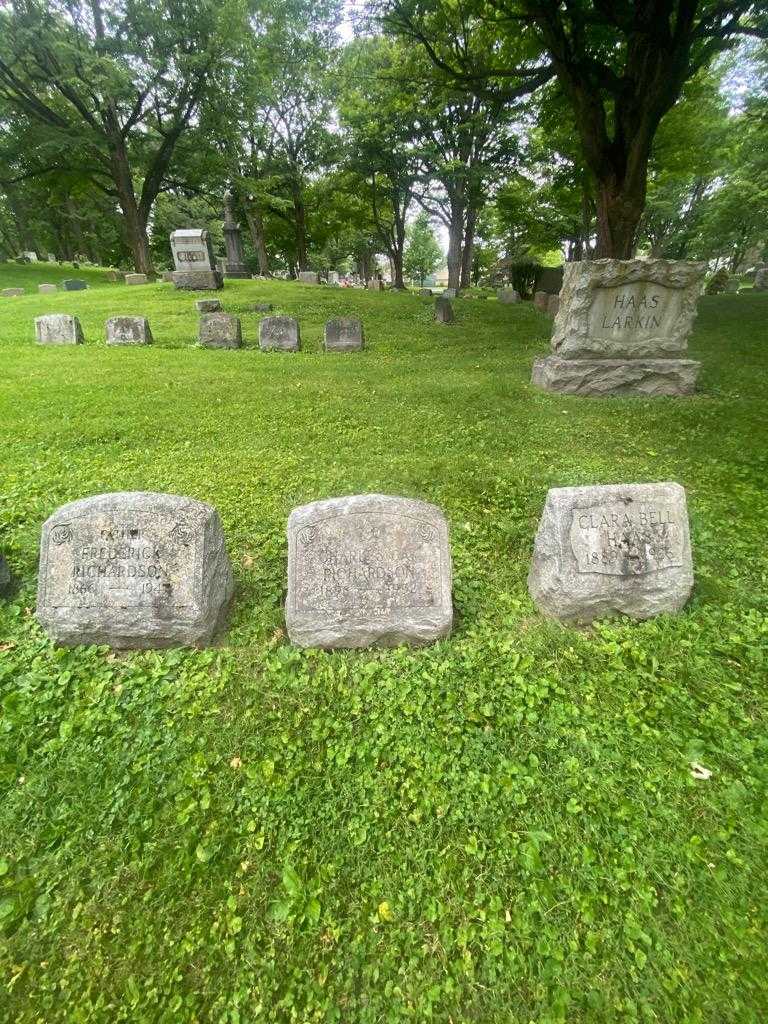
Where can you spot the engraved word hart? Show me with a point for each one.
(368, 569)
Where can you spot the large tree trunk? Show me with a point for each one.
(255, 220)
(300, 222)
(135, 224)
(455, 240)
(469, 247)
(620, 206)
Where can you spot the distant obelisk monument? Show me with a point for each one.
(235, 265)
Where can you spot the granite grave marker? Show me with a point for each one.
(368, 569)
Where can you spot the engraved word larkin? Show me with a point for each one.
(620, 539)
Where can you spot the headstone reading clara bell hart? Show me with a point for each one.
(193, 260)
(619, 548)
(133, 569)
(622, 329)
(368, 569)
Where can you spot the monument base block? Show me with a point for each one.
(622, 378)
(198, 280)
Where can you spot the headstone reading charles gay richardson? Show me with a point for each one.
(132, 570)
(280, 334)
(622, 329)
(193, 260)
(605, 550)
(368, 570)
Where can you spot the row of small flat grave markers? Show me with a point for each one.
(216, 330)
(141, 569)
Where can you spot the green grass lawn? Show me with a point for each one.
(30, 275)
(501, 828)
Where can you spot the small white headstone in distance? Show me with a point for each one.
(368, 569)
(133, 569)
(619, 548)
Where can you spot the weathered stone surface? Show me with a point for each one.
(128, 330)
(74, 284)
(601, 378)
(135, 278)
(508, 295)
(279, 333)
(58, 329)
(208, 305)
(133, 569)
(425, 293)
(167, 276)
(761, 280)
(368, 569)
(11, 293)
(5, 577)
(233, 242)
(198, 280)
(540, 300)
(553, 305)
(192, 250)
(443, 310)
(375, 285)
(626, 309)
(344, 335)
(263, 307)
(220, 330)
(47, 289)
(115, 276)
(308, 277)
(604, 550)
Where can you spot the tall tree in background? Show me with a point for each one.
(423, 254)
(622, 66)
(116, 86)
(379, 111)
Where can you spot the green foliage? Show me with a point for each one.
(500, 828)
(423, 255)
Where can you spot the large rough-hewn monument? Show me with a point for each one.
(368, 569)
(619, 548)
(622, 329)
(193, 260)
(133, 569)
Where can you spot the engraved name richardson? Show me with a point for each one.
(619, 539)
(372, 564)
(135, 561)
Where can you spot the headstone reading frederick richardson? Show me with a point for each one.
(622, 329)
(58, 329)
(368, 569)
(133, 569)
(193, 260)
(603, 550)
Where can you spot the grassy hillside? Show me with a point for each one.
(30, 275)
(500, 828)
